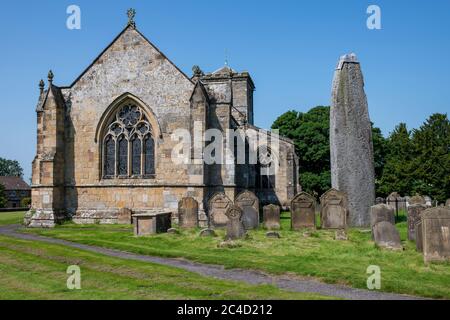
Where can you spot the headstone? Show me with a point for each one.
(218, 206)
(379, 200)
(151, 222)
(393, 200)
(188, 213)
(447, 203)
(417, 199)
(273, 234)
(249, 205)
(352, 161)
(419, 236)
(414, 212)
(334, 209)
(124, 216)
(207, 233)
(271, 214)
(340, 235)
(381, 212)
(436, 234)
(235, 226)
(386, 236)
(303, 211)
(428, 201)
(173, 231)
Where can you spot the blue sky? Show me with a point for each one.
(290, 48)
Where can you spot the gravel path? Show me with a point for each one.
(216, 271)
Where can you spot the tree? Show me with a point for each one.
(311, 134)
(10, 168)
(3, 199)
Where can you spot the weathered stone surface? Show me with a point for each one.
(428, 201)
(273, 234)
(340, 235)
(235, 226)
(379, 200)
(173, 231)
(229, 244)
(419, 236)
(124, 216)
(381, 212)
(188, 213)
(151, 223)
(436, 234)
(271, 216)
(386, 236)
(207, 233)
(352, 163)
(447, 203)
(417, 199)
(218, 206)
(393, 200)
(249, 205)
(303, 211)
(414, 212)
(334, 209)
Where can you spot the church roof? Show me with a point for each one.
(224, 70)
(14, 183)
(56, 92)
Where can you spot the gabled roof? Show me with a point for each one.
(14, 183)
(112, 43)
(57, 95)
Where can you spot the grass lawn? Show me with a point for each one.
(317, 255)
(11, 218)
(33, 270)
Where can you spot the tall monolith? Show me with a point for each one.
(352, 164)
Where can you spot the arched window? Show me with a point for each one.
(128, 145)
(266, 169)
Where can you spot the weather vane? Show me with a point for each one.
(131, 14)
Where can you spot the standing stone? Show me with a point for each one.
(381, 212)
(218, 206)
(334, 209)
(351, 148)
(428, 201)
(271, 215)
(379, 200)
(386, 236)
(124, 216)
(249, 205)
(436, 234)
(419, 236)
(188, 213)
(303, 211)
(393, 200)
(414, 212)
(447, 203)
(235, 226)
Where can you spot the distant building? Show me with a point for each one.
(15, 190)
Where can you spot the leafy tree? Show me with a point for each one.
(3, 199)
(10, 168)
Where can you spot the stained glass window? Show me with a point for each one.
(129, 130)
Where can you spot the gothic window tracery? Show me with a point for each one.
(128, 145)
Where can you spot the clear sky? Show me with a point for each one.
(289, 47)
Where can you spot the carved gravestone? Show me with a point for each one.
(249, 205)
(414, 212)
(235, 226)
(218, 206)
(271, 215)
(188, 213)
(436, 234)
(334, 209)
(419, 236)
(124, 216)
(303, 211)
(379, 200)
(392, 199)
(417, 199)
(381, 212)
(386, 236)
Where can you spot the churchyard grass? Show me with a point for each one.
(11, 218)
(311, 254)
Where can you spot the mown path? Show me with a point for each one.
(253, 277)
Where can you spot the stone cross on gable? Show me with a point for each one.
(131, 14)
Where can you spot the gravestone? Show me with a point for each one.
(303, 211)
(273, 234)
(386, 236)
(334, 209)
(379, 200)
(447, 203)
(419, 236)
(351, 148)
(249, 205)
(417, 199)
(381, 212)
(207, 233)
(235, 226)
(124, 216)
(436, 234)
(392, 199)
(218, 206)
(271, 216)
(151, 222)
(428, 201)
(188, 213)
(414, 212)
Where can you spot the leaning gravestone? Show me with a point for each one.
(235, 226)
(303, 211)
(218, 206)
(334, 209)
(414, 212)
(436, 234)
(124, 216)
(271, 215)
(188, 213)
(249, 205)
(351, 148)
(386, 236)
(381, 212)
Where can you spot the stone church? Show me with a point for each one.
(105, 142)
